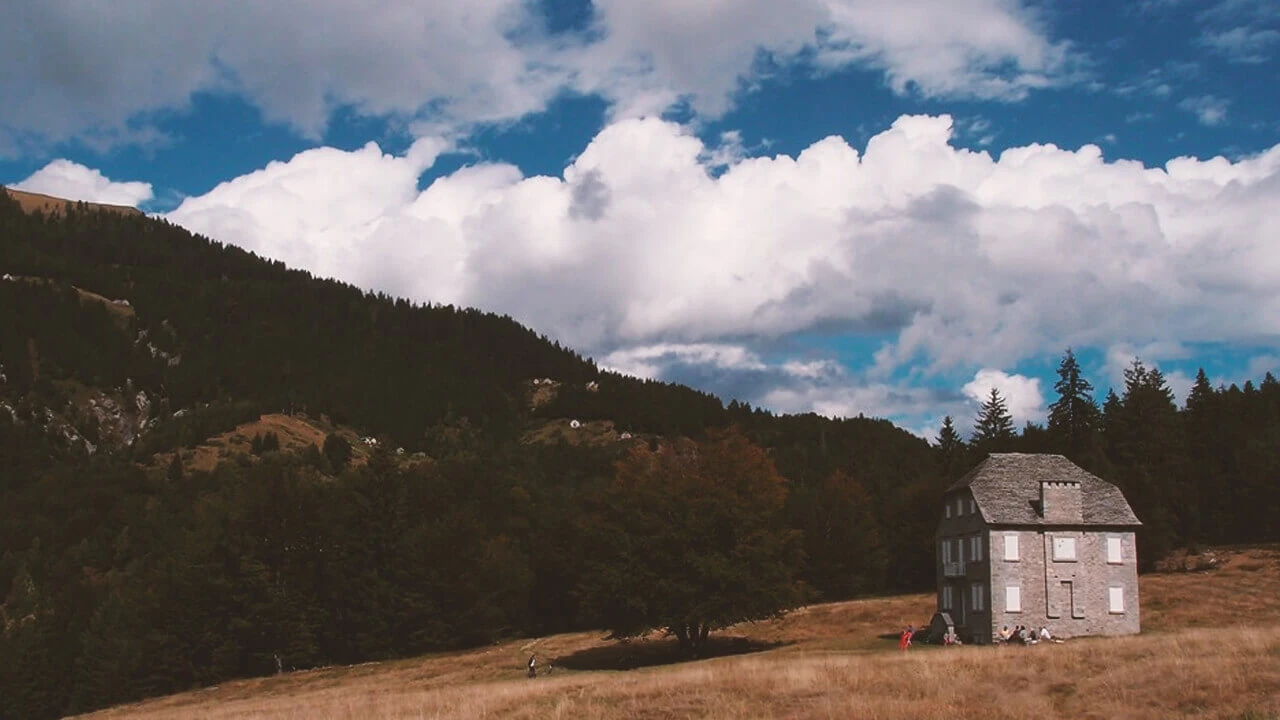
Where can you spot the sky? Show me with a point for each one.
(840, 206)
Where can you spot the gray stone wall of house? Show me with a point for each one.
(1071, 597)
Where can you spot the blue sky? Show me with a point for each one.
(836, 205)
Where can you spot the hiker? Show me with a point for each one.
(533, 666)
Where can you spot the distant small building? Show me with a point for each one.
(1036, 540)
(575, 424)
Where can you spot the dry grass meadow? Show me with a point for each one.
(1210, 648)
(31, 202)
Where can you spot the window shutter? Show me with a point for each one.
(1115, 597)
(1013, 599)
(1011, 546)
(1115, 550)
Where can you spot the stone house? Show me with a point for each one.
(1036, 540)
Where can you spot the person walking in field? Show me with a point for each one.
(905, 641)
(533, 666)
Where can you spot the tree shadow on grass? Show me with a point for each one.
(632, 654)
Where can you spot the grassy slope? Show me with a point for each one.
(1210, 648)
(32, 202)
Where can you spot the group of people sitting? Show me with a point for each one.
(1025, 635)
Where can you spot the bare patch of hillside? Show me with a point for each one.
(31, 202)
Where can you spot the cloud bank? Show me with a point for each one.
(640, 256)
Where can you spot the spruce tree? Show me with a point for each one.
(993, 431)
(1074, 417)
(951, 450)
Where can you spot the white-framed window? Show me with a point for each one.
(1115, 600)
(1013, 599)
(947, 599)
(975, 596)
(946, 551)
(973, 506)
(1011, 546)
(947, 508)
(959, 506)
(1115, 551)
(1064, 549)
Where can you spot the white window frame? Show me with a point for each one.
(947, 598)
(973, 507)
(947, 508)
(946, 551)
(959, 506)
(1061, 545)
(1115, 551)
(1012, 599)
(1011, 547)
(1115, 600)
(975, 595)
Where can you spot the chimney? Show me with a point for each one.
(1060, 502)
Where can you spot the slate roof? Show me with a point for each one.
(1006, 487)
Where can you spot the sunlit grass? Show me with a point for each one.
(1210, 648)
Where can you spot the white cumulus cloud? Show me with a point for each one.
(66, 179)
(950, 259)
(1021, 394)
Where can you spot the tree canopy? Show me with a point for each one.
(695, 541)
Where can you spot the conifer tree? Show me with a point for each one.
(1074, 417)
(951, 450)
(993, 431)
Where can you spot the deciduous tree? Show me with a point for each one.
(690, 539)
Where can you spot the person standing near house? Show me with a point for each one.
(904, 642)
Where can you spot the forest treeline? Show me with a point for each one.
(120, 580)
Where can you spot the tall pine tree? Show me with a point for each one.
(952, 452)
(993, 431)
(1074, 418)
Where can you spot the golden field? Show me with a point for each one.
(1210, 648)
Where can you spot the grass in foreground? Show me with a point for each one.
(1210, 648)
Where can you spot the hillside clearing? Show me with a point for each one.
(31, 202)
(1210, 648)
(295, 432)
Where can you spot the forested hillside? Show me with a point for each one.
(123, 338)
